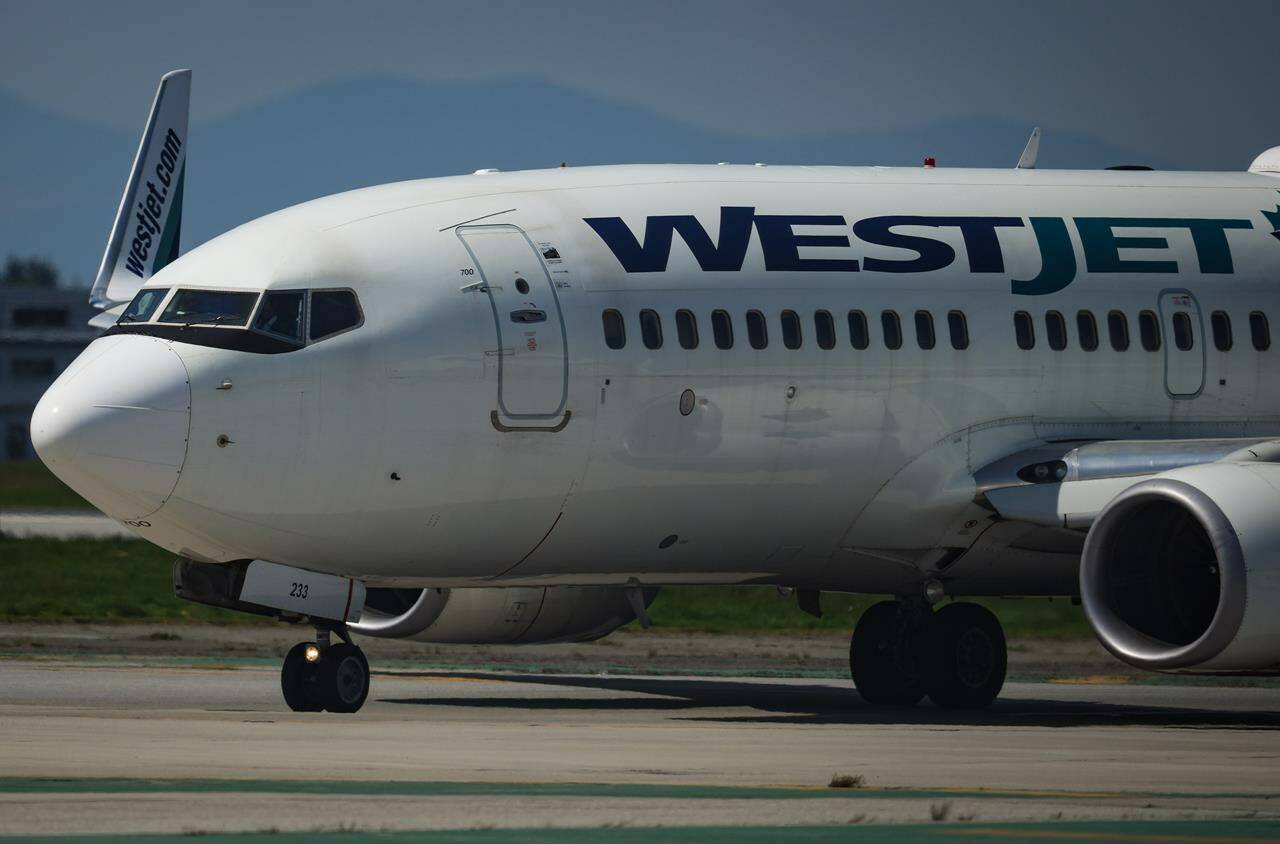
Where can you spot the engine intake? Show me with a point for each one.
(1168, 564)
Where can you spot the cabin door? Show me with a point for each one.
(532, 350)
(1184, 344)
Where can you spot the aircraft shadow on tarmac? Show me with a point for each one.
(792, 703)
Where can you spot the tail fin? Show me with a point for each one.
(146, 232)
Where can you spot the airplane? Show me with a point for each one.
(510, 407)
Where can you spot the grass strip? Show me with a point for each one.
(85, 580)
(28, 485)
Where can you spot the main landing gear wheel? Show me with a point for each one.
(966, 657)
(884, 655)
(333, 678)
(903, 650)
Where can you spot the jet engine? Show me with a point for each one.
(494, 615)
(1181, 572)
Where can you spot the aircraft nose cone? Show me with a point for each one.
(113, 427)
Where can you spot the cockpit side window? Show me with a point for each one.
(282, 314)
(144, 304)
(333, 311)
(190, 306)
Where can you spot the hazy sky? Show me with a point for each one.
(1179, 77)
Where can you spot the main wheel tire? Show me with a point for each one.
(344, 678)
(967, 657)
(881, 671)
(298, 680)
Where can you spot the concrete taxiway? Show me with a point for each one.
(62, 524)
(175, 747)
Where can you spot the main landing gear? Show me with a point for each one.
(903, 650)
(318, 676)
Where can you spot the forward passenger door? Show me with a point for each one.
(1184, 344)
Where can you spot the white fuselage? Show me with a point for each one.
(423, 448)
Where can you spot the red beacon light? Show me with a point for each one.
(930, 162)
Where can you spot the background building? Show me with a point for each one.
(42, 329)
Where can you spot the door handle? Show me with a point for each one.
(529, 315)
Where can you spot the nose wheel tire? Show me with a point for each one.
(344, 678)
(966, 657)
(337, 681)
(298, 680)
(884, 656)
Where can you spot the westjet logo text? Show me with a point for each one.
(151, 210)
(1104, 240)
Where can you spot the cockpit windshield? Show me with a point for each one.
(267, 322)
(282, 314)
(209, 307)
(144, 304)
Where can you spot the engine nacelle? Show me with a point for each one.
(1182, 571)
(493, 615)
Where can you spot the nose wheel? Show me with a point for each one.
(317, 676)
(903, 650)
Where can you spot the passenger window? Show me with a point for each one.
(1149, 331)
(333, 311)
(859, 336)
(892, 327)
(1183, 336)
(651, 329)
(281, 314)
(924, 330)
(722, 328)
(1056, 329)
(1025, 330)
(959, 327)
(791, 329)
(1260, 330)
(687, 329)
(615, 330)
(757, 331)
(824, 329)
(1118, 329)
(1221, 323)
(144, 304)
(1087, 329)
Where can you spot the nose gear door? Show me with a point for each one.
(533, 363)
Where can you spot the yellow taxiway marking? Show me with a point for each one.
(1092, 680)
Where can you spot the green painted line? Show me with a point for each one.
(1166, 831)
(110, 785)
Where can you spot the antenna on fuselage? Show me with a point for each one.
(1027, 161)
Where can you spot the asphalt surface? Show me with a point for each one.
(126, 746)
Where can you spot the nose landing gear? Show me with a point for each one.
(318, 676)
(903, 650)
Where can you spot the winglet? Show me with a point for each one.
(1027, 161)
(148, 224)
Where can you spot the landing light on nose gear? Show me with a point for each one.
(319, 676)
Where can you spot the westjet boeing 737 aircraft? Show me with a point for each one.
(508, 407)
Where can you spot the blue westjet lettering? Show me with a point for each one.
(1101, 237)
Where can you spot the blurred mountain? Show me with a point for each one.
(61, 179)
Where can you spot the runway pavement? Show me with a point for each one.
(174, 747)
(62, 524)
